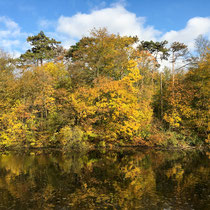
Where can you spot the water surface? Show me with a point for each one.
(129, 179)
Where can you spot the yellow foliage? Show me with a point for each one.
(15, 131)
(112, 109)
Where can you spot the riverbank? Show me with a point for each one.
(109, 147)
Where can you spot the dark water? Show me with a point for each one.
(105, 180)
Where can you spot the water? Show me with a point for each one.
(128, 179)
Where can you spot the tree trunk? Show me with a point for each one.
(161, 96)
(173, 72)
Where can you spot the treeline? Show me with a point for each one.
(106, 89)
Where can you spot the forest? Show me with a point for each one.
(106, 90)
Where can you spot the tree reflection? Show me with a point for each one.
(98, 180)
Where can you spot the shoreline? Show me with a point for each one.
(124, 147)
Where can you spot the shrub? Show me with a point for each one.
(72, 138)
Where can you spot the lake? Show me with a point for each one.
(105, 179)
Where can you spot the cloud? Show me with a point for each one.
(46, 24)
(8, 27)
(194, 27)
(116, 19)
(27, 8)
(92, 5)
(11, 38)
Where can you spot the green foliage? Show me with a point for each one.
(155, 48)
(72, 138)
(43, 48)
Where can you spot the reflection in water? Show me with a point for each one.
(104, 180)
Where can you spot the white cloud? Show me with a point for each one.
(194, 27)
(119, 20)
(116, 19)
(101, 5)
(9, 27)
(11, 38)
(9, 43)
(9, 23)
(46, 24)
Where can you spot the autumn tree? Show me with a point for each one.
(202, 46)
(199, 83)
(111, 110)
(7, 80)
(160, 52)
(100, 54)
(178, 50)
(102, 88)
(187, 102)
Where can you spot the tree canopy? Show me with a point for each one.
(104, 91)
(42, 48)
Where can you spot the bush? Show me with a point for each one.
(72, 138)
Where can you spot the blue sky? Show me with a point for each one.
(69, 20)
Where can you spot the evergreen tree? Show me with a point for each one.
(43, 48)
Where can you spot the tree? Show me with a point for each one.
(159, 51)
(155, 48)
(162, 79)
(202, 46)
(178, 50)
(7, 80)
(187, 102)
(111, 110)
(198, 78)
(101, 54)
(43, 48)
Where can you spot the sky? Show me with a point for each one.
(68, 20)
